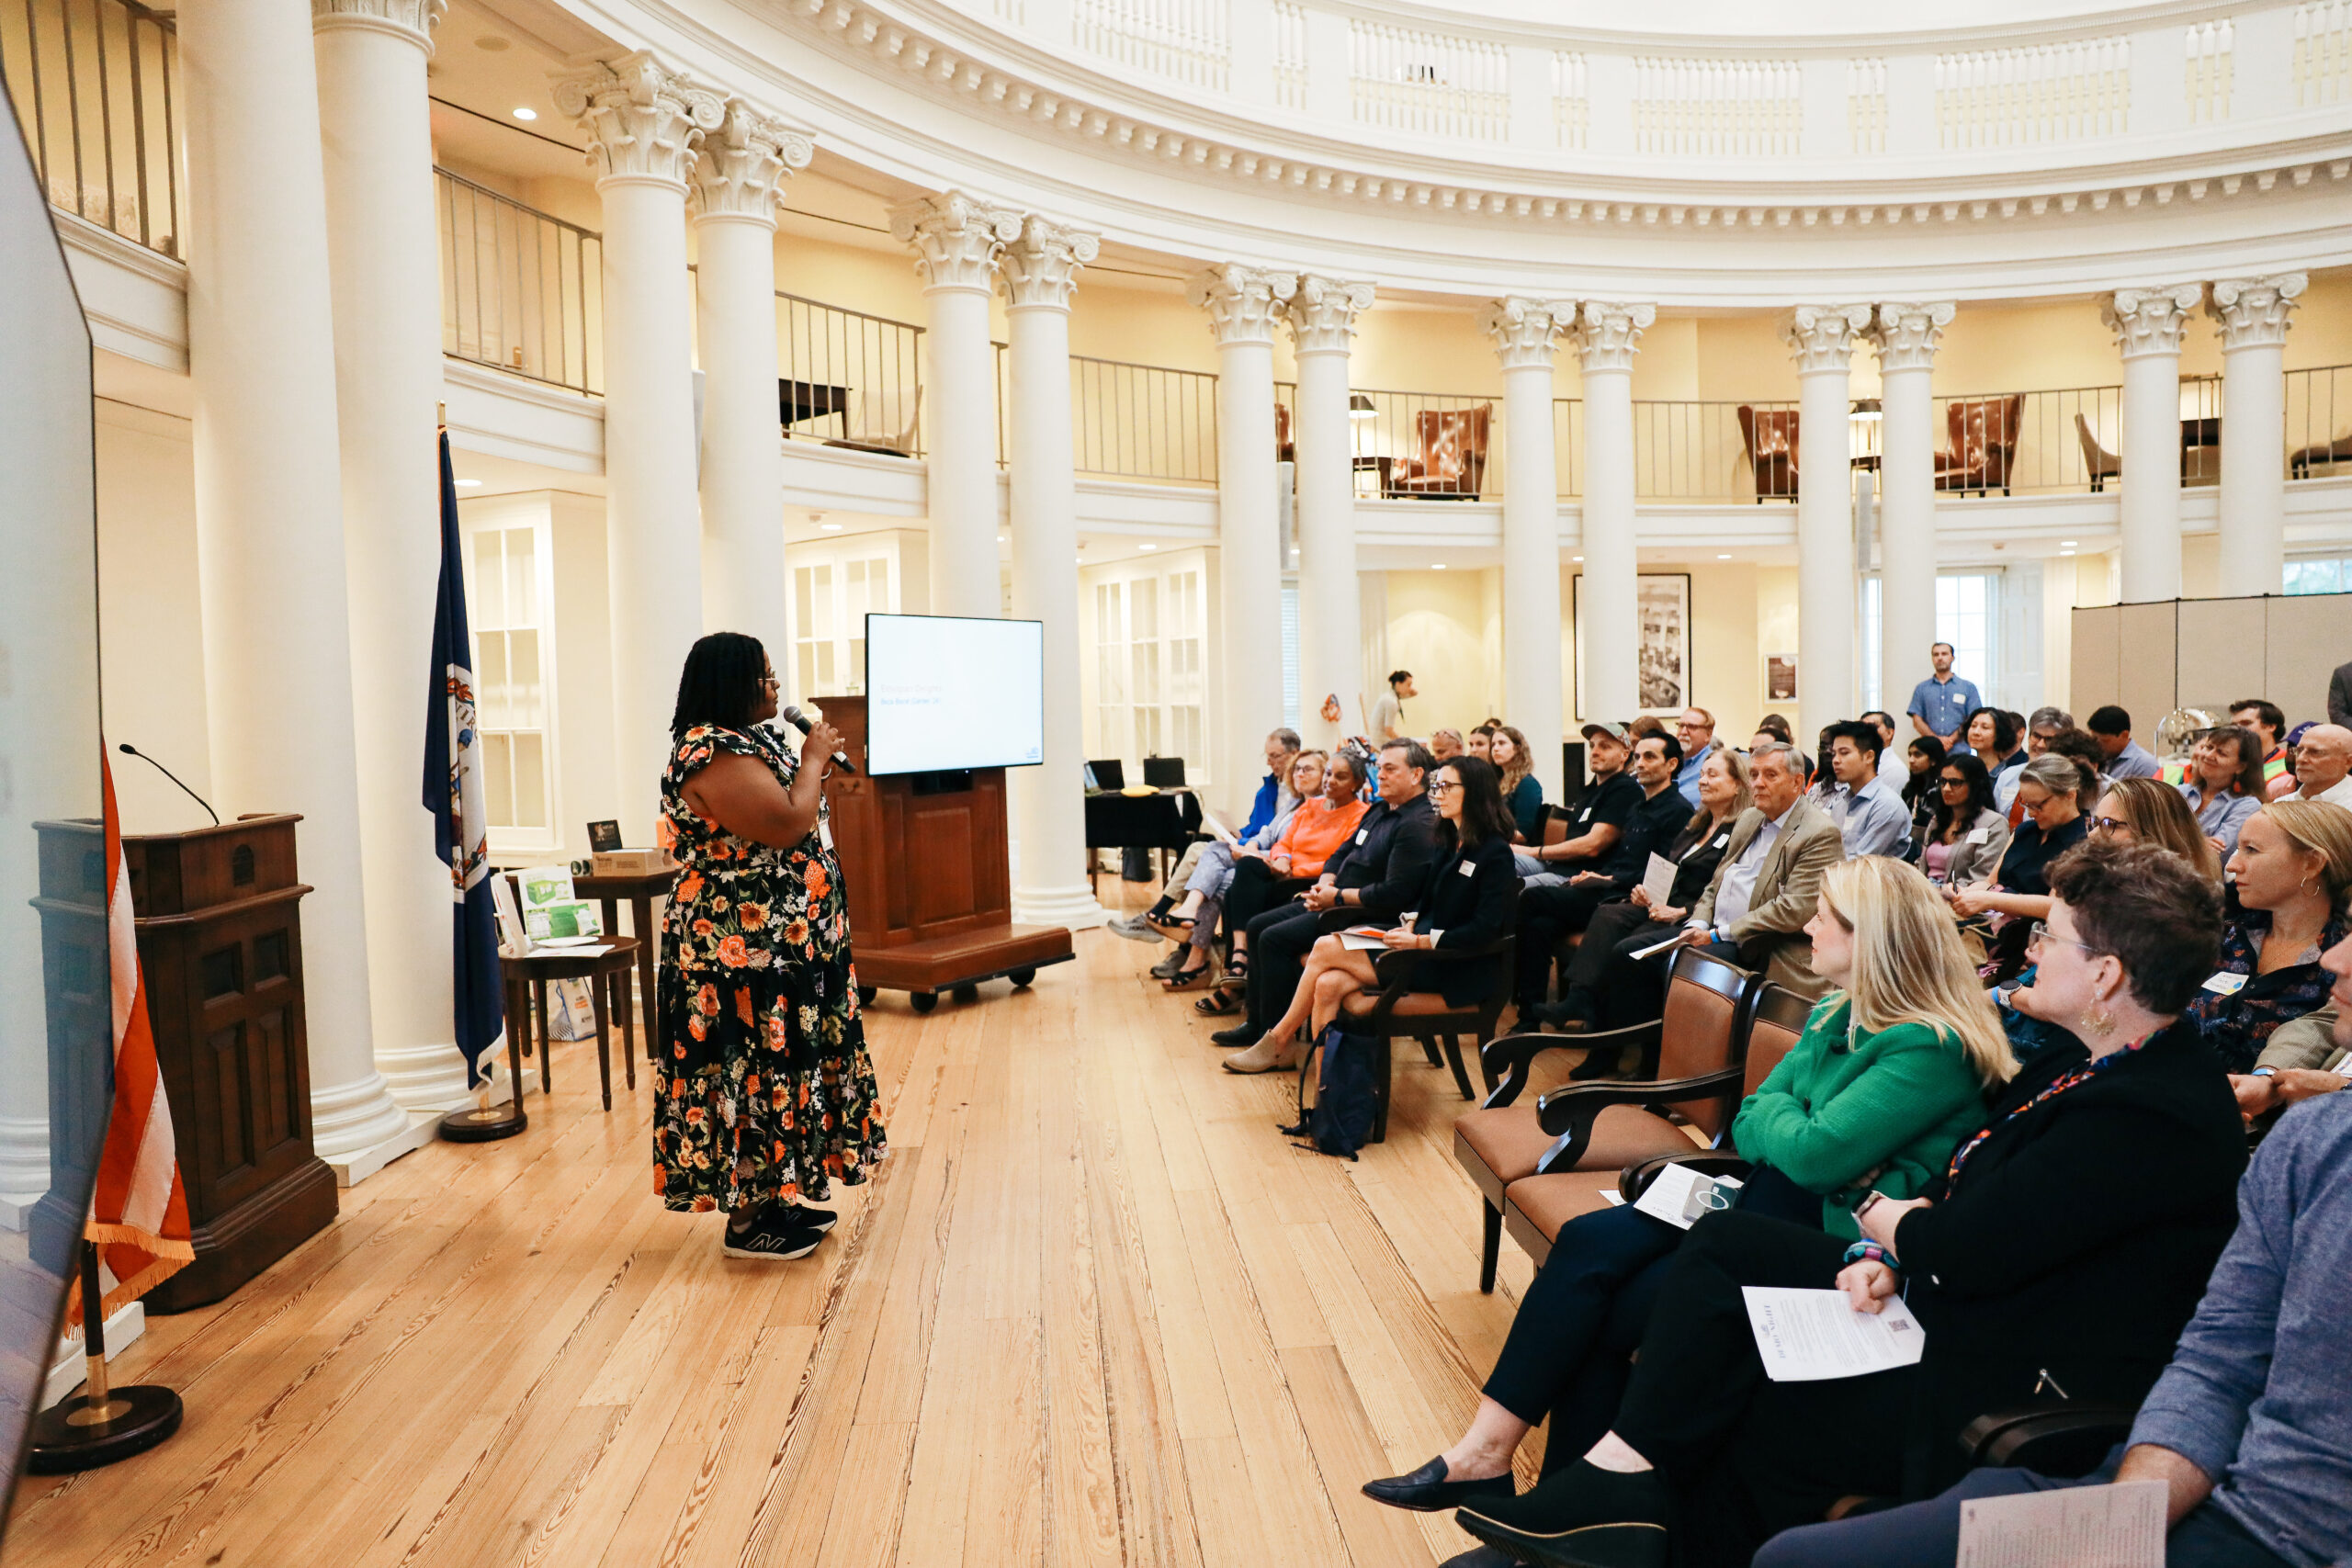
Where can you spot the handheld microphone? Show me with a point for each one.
(799, 721)
(127, 749)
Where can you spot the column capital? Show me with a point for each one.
(2150, 320)
(1907, 335)
(1243, 302)
(957, 237)
(412, 21)
(1523, 330)
(1040, 266)
(744, 162)
(1821, 337)
(1322, 313)
(644, 119)
(2253, 310)
(1608, 333)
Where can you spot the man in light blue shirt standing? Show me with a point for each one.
(1940, 705)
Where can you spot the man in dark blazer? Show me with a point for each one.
(1370, 881)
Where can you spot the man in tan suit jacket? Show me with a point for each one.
(1774, 889)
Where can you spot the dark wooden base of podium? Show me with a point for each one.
(251, 1236)
(952, 963)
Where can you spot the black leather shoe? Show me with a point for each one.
(1597, 1064)
(1427, 1491)
(806, 1218)
(1239, 1034)
(1480, 1557)
(1582, 1516)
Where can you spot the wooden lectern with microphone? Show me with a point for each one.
(930, 876)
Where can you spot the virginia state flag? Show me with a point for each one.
(453, 793)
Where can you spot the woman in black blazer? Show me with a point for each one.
(2067, 1244)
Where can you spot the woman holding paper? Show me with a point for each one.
(768, 1094)
(1313, 835)
(2065, 1242)
(1887, 1078)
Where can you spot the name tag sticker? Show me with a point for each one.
(1720, 839)
(825, 834)
(1361, 833)
(1980, 836)
(1469, 868)
(2226, 984)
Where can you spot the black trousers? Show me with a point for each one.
(1255, 889)
(1631, 990)
(1546, 916)
(1748, 1457)
(1279, 941)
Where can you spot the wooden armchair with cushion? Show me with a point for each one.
(1774, 1027)
(1285, 447)
(1503, 1144)
(1772, 438)
(2304, 458)
(1449, 463)
(2098, 463)
(1984, 444)
(1392, 1010)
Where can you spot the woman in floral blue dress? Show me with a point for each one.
(767, 1094)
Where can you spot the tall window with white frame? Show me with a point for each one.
(1150, 683)
(511, 695)
(1187, 736)
(830, 602)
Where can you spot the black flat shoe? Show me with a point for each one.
(1582, 1516)
(801, 1216)
(1239, 1034)
(1480, 1557)
(1427, 1491)
(1597, 1064)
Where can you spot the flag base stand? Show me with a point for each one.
(100, 1425)
(478, 1124)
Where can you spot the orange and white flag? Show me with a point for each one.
(139, 1215)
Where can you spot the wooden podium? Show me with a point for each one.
(930, 879)
(221, 949)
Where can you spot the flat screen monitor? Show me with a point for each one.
(945, 693)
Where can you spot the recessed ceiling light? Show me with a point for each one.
(526, 114)
(1723, 558)
(468, 484)
(1438, 566)
(1576, 558)
(1146, 546)
(999, 538)
(2069, 543)
(831, 527)
(2065, 552)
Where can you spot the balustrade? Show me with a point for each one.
(96, 90)
(520, 288)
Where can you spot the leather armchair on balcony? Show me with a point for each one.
(1984, 444)
(1772, 438)
(1449, 463)
(1285, 447)
(2304, 458)
(2099, 464)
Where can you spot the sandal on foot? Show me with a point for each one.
(1190, 979)
(1223, 1002)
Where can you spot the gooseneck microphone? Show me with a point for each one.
(799, 721)
(127, 749)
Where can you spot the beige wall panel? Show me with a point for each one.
(2310, 635)
(2145, 649)
(1437, 628)
(2095, 673)
(2222, 658)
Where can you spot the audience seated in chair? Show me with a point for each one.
(1522, 791)
(1303, 830)
(2323, 765)
(1599, 819)
(1374, 878)
(1965, 837)
(2291, 877)
(1875, 1096)
(2225, 784)
(1274, 800)
(2249, 1429)
(2067, 1240)
(2018, 892)
(2268, 722)
(1316, 832)
(1870, 816)
(1448, 459)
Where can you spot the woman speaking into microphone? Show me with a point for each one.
(767, 1093)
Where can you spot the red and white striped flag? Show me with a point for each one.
(139, 1215)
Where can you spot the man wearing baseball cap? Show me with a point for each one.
(1593, 831)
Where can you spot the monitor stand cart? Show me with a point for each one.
(929, 879)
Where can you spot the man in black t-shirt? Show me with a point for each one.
(1548, 913)
(1597, 824)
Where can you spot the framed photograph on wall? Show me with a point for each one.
(1779, 677)
(1662, 657)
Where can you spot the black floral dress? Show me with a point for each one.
(768, 1092)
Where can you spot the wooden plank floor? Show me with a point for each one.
(1092, 1310)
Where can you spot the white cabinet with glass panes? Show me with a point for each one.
(1146, 682)
(509, 596)
(834, 587)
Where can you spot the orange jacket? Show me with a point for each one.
(1316, 833)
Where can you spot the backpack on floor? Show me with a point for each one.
(1340, 1121)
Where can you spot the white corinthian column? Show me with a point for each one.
(2253, 315)
(1821, 338)
(1607, 336)
(1040, 272)
(1322, 315)
(644, 121)
(1244, 303)
(382, 249)
(1523, 332)
(270, 561)
(2148, 324)
(956, 239)
(1907, 336)
(737, 181)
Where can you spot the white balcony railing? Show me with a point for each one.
(96, 90)
(1187, 41)
(520, 289)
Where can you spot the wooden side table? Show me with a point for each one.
(607, 974)
(640, 889)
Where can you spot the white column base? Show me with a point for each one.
(71, 1369)
(1072, 905)
(24, 1168)
(357, 1130)
(356, 1166)
(425, 1078)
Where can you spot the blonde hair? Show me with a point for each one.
(2323, 829)
(1521, 761)
(1909, 966)
(2159, 817)
(1745, 792)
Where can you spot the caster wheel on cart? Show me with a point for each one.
(922, 1002)
(966, 993)
(1020, 978)
(866, 995)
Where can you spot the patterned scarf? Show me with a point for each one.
(2056, 1087)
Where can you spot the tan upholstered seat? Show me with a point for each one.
(1535, 1207)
